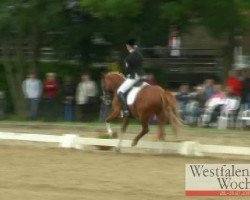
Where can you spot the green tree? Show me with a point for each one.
(23, 27)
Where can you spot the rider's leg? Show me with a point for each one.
(121, 95)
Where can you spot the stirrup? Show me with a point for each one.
(125, 113)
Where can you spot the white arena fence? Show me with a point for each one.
(188, 148)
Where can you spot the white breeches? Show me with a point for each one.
(127, 84)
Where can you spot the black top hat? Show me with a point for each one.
(131, 42)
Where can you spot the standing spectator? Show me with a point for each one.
(174, 42)
(86, 97)
(51, 87)
(245, 98)
(105, 106)
(68, 95)
(234, 83)
(208, 88)
(106, 103)
(151, 81)
(32, 89)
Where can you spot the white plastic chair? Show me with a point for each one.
(228, 113)
(243, 118)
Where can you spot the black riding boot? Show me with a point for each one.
(123, 101)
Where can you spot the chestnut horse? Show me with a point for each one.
(150, 101)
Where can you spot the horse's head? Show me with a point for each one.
(112, 80)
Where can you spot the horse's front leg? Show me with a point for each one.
(112, 117)
(125, 124)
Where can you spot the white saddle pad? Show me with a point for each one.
(133, 93)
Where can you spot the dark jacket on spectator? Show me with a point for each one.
(245, 98)
(183, 98)
(68, 93)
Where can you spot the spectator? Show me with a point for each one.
(152, 81)
(245, 97)
(174, 42)
(68, 90)
(208, 88)
(106, 103)
(183, 97)
(195, 106)
(218, 92)
(234, 83)
(32, 89)
(86, 97)
(51, 87)
(2, 105)
(105, 106)
(213, 107)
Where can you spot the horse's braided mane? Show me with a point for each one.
(116, 73)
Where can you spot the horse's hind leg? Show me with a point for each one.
(145, 129)
(161, 121)
(125, 124)
(123, 130)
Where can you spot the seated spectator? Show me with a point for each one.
(208, 88)
(234, 83)
(183, 97)
(220, 101)
(32, 89)
(218, 92)
(195, 106)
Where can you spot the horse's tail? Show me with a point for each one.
(170, 107)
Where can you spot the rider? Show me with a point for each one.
(133, 71)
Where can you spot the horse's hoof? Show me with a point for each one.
(114, 135)
(134, 143)
(118, 150)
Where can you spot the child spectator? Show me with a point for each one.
(68, 90)
(183, 97)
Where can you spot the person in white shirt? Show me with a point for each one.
(86, 95)
(174, 42)
(32, 89)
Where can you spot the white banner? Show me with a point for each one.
(217, 180)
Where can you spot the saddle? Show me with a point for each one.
(132, 93)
